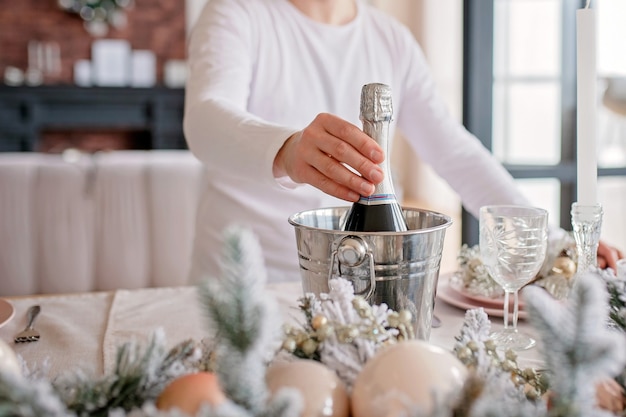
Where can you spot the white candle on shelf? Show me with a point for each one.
(587, 166)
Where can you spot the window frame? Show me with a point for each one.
(478, 78)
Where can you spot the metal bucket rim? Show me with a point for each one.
(447, 222)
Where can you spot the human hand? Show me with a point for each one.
(608, 256)
(316, 155)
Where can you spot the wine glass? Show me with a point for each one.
(513, 244)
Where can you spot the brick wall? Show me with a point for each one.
(157, 25)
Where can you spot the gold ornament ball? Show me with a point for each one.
(403, 375)
(289, 344)
(189, 392)
(309, 347)
(393, 319)
(564, 266)
(324, 332)
(405, 317)
(323, 393)
(360, 304)
(319, 321)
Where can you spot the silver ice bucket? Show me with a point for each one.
(399, 269)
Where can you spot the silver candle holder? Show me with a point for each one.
(586, 224)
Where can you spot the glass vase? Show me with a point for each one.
(586, 224)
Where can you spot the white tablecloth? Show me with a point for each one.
(84, 330)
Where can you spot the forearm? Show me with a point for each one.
(225, 137)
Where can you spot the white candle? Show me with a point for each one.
(586, 158)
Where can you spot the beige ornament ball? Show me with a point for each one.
(8, 360)
(323, 393)
(189, 392)
(405, 375)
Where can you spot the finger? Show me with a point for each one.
(317, 179)
(315, 150)
(354, 136)
(335, 171)
(344, 152)
(611, 259)
(350, 145)
(609, 396)
(608, 255)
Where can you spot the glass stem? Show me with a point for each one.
(506, 309)
(515, 308)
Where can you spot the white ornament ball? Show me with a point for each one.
(8, 360)
(323, 393)
(406, 375)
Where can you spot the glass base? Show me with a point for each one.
(512, 339)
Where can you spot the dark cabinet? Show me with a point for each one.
(153, 114)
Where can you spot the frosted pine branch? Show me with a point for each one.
(244, 319)
(580, 349)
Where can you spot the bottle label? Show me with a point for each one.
(376, 199)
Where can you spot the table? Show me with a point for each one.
(84, 330)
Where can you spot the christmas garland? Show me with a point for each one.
(344, 333)
(555, 275)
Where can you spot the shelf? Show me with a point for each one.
(27, 112)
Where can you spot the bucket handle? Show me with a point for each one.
(352, 251)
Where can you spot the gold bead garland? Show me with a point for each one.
(305, 341)
(533, 381)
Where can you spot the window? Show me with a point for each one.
(520, 99)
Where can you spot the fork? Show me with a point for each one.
(29, 334)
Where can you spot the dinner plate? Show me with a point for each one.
(494, 302)
(448, 294)
(6, 312)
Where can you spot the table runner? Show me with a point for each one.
(84, 330)
(181, 317)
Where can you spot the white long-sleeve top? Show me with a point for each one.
(261, 70)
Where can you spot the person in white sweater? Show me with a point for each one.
(272, 109)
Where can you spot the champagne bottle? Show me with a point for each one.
(379, 212)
